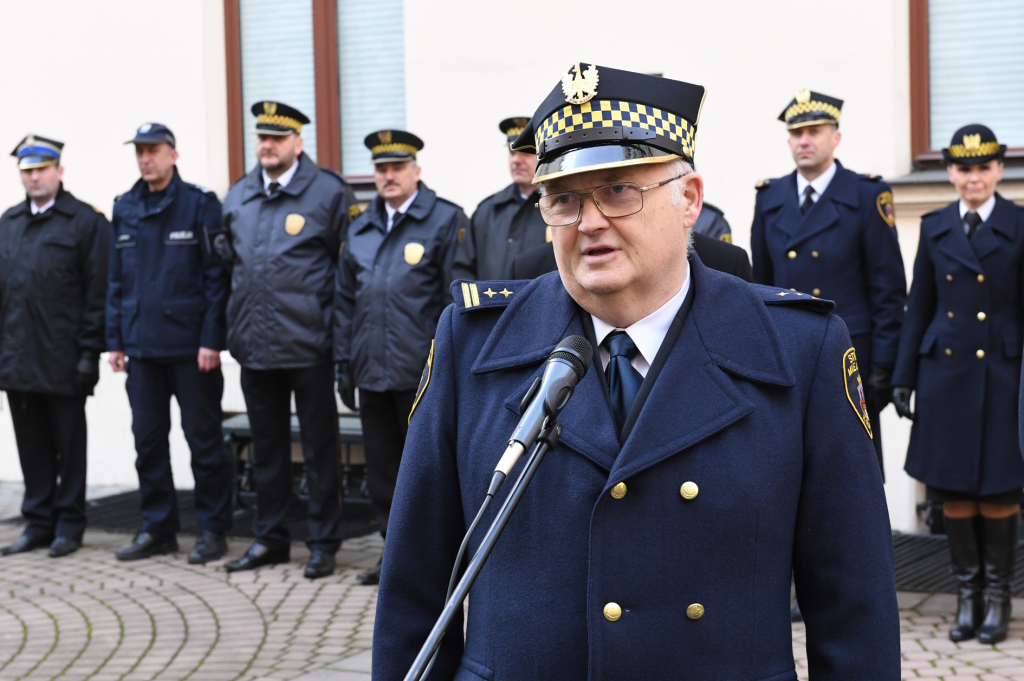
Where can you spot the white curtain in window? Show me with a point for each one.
(371, 70)
(277, 63)
(976, 68)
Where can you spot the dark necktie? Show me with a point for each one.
(623, 380)
(973, 220)
(808, 201)
(272, 188)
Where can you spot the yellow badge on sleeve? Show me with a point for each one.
(424, 381)
(885, 208)
(855, 389)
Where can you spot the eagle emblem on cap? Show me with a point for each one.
(972, 142)
(384, 136)
(270, 108)
(581, 87)
(803, 96)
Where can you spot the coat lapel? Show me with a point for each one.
(952, 240)
(1000, 226)
(782, 200)
(824, 215)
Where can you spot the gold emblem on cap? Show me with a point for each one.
(270, 108)
(582, 87)
(803, 96)
(972, 141)
(294, 223)
(30, 141)
(384, 136)
(413, 253)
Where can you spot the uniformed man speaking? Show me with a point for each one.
(826, 231)
(718, 443)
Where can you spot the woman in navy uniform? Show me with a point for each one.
(961, 351)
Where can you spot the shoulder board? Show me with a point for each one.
(331, 171)
(450, 203)
(205, 190)
(477, 295)
(119, 197)
(761, 184)
(98, 210)
(780, 296)
(871, 177)
(933, 212)
(354, 210)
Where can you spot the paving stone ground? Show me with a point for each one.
(89, 616)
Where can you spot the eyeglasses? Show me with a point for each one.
(613, 200)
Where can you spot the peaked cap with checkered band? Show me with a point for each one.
(598, 117)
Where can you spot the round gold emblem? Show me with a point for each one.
(612, 612)
(413, 253)
(294, 223)
(695, 611)
(619, 491)
(689, 490)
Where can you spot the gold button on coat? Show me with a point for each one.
(949, 353)
(949, 277)
(950, 314)
(695, 611)
(816, 291)
(612, 612)
(981, 278)
(619, 491)
(980, 354)
(689, 490)
(814, 254)
(792, 254)
(981, 316)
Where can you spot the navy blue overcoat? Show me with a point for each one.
(754, 405)
(961, 350)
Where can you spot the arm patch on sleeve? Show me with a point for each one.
(886, 209)
(424, 381)
(855, 389)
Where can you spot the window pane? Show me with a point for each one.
(371, 68)
(277, 63)
(976, 68)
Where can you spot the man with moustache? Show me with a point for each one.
(165, 327)
(286, 221)
(504, 224)
(53, 276)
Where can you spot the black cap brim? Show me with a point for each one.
(150, 139)
(600, 157)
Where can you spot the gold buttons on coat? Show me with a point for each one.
(612, 612)
(619, 491)
(816, 291)
(814, 254)
(981, 316)
(949, 353)
(981, 278)
(695, 611)
(949, 277)
(792, 254)
(980, 354)
(950, 314)
(689, 490)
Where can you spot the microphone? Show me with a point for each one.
(567, 365)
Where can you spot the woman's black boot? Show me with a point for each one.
(965, 552)
(1000, 540)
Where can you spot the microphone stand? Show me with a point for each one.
(546, 441)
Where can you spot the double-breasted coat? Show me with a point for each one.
(749, 400)
(961, 351)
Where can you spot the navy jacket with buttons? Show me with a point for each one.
(168, 287)
(845, 250)
(391, 289)
(748, 404)
(961, 351)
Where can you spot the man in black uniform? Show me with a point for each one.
(53, 276)
(287, 220)
(393, 281)
(504, 224)
(165, 311)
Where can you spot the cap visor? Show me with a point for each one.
(807, 124)
(30, 162)
(150, 139)
(600, 157)
(275, 133)
(393, 159)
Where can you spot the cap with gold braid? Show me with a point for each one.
(598, 117)
(393, 146)
(513, 127)
(973, 144)
(275, 118)
(37, 152)
(811, 108)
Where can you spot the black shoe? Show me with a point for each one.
(147, 544)
(999, 537)
(26, 542)
(321, 564)
(371, 576)
(209, 546)
(63, 546)
(258, 555)
(965, 554)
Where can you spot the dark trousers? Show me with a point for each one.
(385, 418)
(150, 386)
(51, 435)
(268, 399)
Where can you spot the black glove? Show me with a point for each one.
(87, 375)
(346, 388)
(901, 400)
(879, 386)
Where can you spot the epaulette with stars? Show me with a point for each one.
(477, 295)
(762, 184)
(781, 296)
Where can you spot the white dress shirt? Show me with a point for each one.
(401, 209)
(36, 210)
(820, 184)
(985, 210)
(648, 334)
(284, 178)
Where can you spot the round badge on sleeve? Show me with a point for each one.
(855, 389)
(413, 253)
(294, 223)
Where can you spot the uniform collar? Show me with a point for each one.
(36, 210)
(820, 183)
(390, 212)
(842, 187)
(305, 173)
(284, 179)
(511, 194)
(141, 189)
(985, 210)
(376, 216)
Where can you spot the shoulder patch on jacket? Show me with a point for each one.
(473, 295)
(855, 389)
(886, 209)
(424, 381)
(780, 296)
(762, 184)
